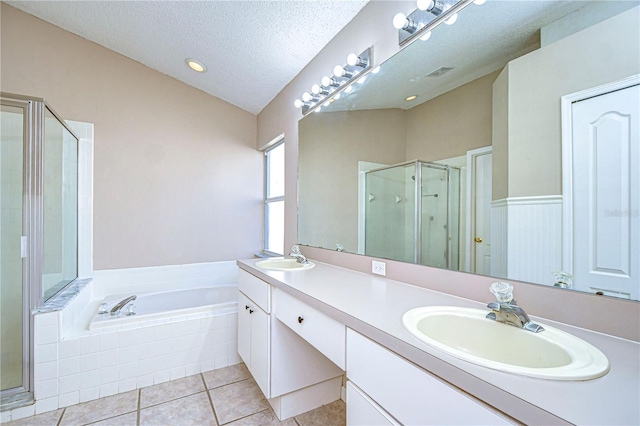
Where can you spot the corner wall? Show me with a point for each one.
(177, 177)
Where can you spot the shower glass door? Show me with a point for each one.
(389, 213)
(12, 314)
(60, 199)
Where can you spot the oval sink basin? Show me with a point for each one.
(280, 264)
(465, 333)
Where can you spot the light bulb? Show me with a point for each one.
(452, 19)
(348, 89)
(399, 21)
(326, 81)
(362, 79)
(338, 71)
(315, 89)
(298, 103)
(426, 36)
(479, 2)
(425, 4)
(376, 70)
(306, 97)
(352, 59)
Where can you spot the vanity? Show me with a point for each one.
(314, 325)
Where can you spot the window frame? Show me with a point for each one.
(268, 200)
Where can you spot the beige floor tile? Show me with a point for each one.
(225, 376)
(263, 418)
(237, 400)
(130, 419)
(171, 390)
(44, 419)
(334, 414)
(100, 409)
(194, 410)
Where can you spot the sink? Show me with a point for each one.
(280, 264)
(466, 334)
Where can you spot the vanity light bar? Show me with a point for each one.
(421, 22)
(356, 68)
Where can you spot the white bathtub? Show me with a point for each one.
(156, 306)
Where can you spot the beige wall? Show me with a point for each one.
(371, 27)
(500, 137)
(177, 177)
(453, 123)
(328, 169)
(600, 54)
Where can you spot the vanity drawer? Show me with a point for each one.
(363, 411)
(407, 392)
(321, 331)
(256, 289)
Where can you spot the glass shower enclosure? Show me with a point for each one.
(412, 213)
(38, 230)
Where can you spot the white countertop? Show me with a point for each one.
(374, 306)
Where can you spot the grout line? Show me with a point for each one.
(215, 415)
(64, 410)
(138, 411)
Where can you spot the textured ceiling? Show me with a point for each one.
(252, 48)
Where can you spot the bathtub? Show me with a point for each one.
(166, 305)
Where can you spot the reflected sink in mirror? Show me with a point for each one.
(466, 334)
(281, 264)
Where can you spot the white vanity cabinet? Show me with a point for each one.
(253, 340)
(404, 392)
(292, 374)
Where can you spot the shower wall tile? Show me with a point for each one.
(47, 334)
(45, 353)
(45, 371)
(89, 379)
(67, 399)
(89, 345)
(68, 348)
(68, 366)
(46, 404)
(46, 389)
(68, 384)
(89, 394)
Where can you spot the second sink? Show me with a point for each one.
(281, 264)
(466, 334)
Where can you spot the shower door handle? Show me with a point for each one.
(478, 239)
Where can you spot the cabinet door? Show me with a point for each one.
(260, 354)
(244, 329)
(409, 393)
(363, 411)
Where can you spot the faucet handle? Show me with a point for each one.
(502, 291)
(295, 249)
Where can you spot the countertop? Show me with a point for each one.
(374, 305)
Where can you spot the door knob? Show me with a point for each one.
(478, 239)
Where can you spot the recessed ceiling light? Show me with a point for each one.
(195, 65)
(410, 98)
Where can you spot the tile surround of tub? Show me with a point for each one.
(70, 369)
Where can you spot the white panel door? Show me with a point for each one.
(482, 214)
(606, 193)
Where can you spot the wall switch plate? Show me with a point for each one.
(379, 268)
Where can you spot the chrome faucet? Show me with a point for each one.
(297, 254)
(507, 311)
(118, 307)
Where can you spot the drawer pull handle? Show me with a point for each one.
(250, 311)
(300, 319)
(246, 307)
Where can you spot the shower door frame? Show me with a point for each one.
(33, 229)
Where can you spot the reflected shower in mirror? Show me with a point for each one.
(483, 149)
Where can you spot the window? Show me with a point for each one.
(274, 199)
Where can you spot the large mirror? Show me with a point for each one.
(504, 145)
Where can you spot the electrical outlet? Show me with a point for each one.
(379, 268)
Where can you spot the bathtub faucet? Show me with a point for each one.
(118, 307)
(297, 254)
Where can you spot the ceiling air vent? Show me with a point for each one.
(439, 71)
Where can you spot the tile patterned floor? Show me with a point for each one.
(228, 396)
